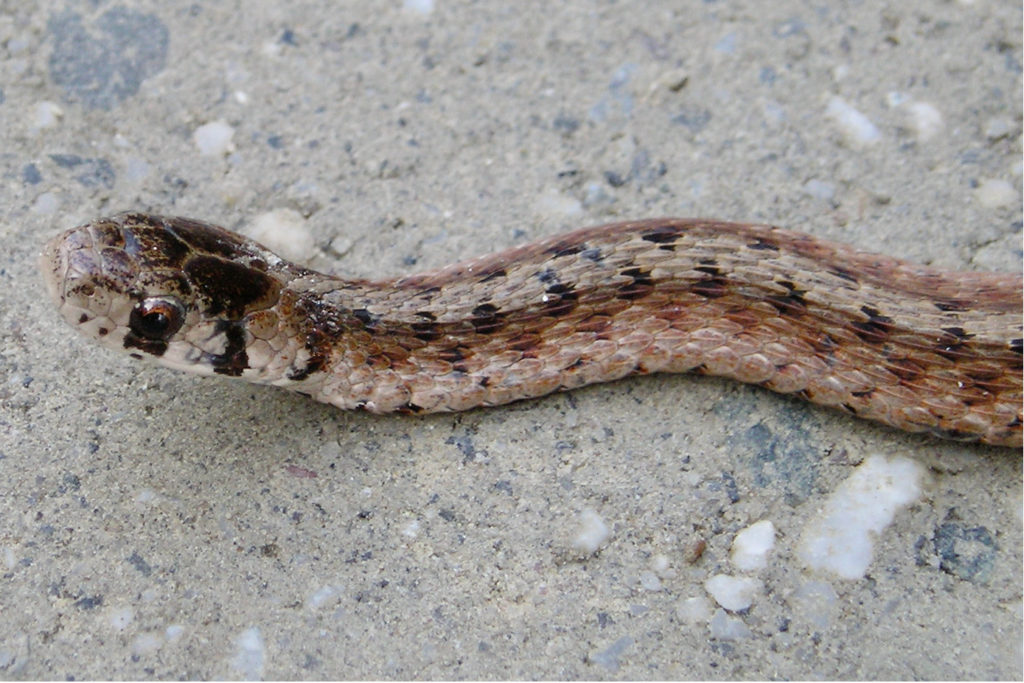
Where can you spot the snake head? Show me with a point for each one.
(189, 295)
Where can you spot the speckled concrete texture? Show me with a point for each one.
(157, 525)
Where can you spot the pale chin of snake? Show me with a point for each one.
(913, 347)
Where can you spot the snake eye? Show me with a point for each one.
(157, 318)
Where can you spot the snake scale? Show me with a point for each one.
(913, 347)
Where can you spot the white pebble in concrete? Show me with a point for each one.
(693, 611)
(419, 6)
(815, 601)
(120, 618)
(650, 581)
(995, 194)
(593, 533)
(998, 127)
(751, 546)
(856, 128)
(840, 540)
(734, 593)
(925, 120)
(322, 596)
(146, 643)
(214, 139)
(284, 232)
(46, 203)
(46, 115)
(250, 654)
(726, 627)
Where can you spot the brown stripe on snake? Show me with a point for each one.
(909, 346)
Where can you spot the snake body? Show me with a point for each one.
(913, 347)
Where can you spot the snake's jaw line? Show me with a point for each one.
(906, 345)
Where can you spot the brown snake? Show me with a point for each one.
(916, 348)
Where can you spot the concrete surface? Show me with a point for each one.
(156, 525)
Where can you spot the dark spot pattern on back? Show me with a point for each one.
(763, 244)
(843, 273)
(548, 276)
(876, 329)
(369, 320)
(661, 235)
(561, 300)
(454, 355)
(715, 285)
(486, 319)
(909, 371)
(494, 275)
(792, 304)
(427, 331)
(953, 342)
(951, 305)
(567, 248)
(640, 285)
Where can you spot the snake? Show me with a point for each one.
(907, 345)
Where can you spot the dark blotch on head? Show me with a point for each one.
(593, 254)
(154, 347)
(313, 364)
(234, 359)
(208, 238)
(640, 285)
(229, 288)
(1017, 345)
(155, 248)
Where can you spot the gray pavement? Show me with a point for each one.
(158, 525)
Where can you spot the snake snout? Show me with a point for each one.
(87, 280)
